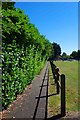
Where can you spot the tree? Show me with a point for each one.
(78, 54)
(8, 5)
(74, 55)
(64, 56)
(56, 50)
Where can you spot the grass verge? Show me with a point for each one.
(70, 69)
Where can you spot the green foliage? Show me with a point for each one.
(56, 51)
(64, 56)
(8, 5)
(78, 54)
(24, 52)
(75, 55)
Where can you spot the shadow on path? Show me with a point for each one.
(40, 96)
(35, 104)
(55, 117)
(46, 99)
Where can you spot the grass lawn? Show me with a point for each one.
(70, 69)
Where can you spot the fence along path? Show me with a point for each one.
(35, 101)
(59, 85)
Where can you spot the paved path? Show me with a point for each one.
(33, 103)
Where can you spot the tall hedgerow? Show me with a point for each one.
(24, 52)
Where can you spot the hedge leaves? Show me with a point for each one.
(24, 52)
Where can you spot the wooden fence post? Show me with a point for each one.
(54, 67)
(57, 88)
(56, 75)
(57, 79)
(63, 103)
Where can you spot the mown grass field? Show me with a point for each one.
(70, 69)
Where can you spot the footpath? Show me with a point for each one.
(33, 102)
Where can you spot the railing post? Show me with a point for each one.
(63, 103)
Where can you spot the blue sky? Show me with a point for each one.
(58, 21)
(46, 0)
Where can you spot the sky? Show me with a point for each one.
(46, 0)
(58, 21)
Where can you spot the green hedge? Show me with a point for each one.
(24, 52)
(19, 69)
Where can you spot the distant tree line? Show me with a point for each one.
(74, 55)
(56, 53)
